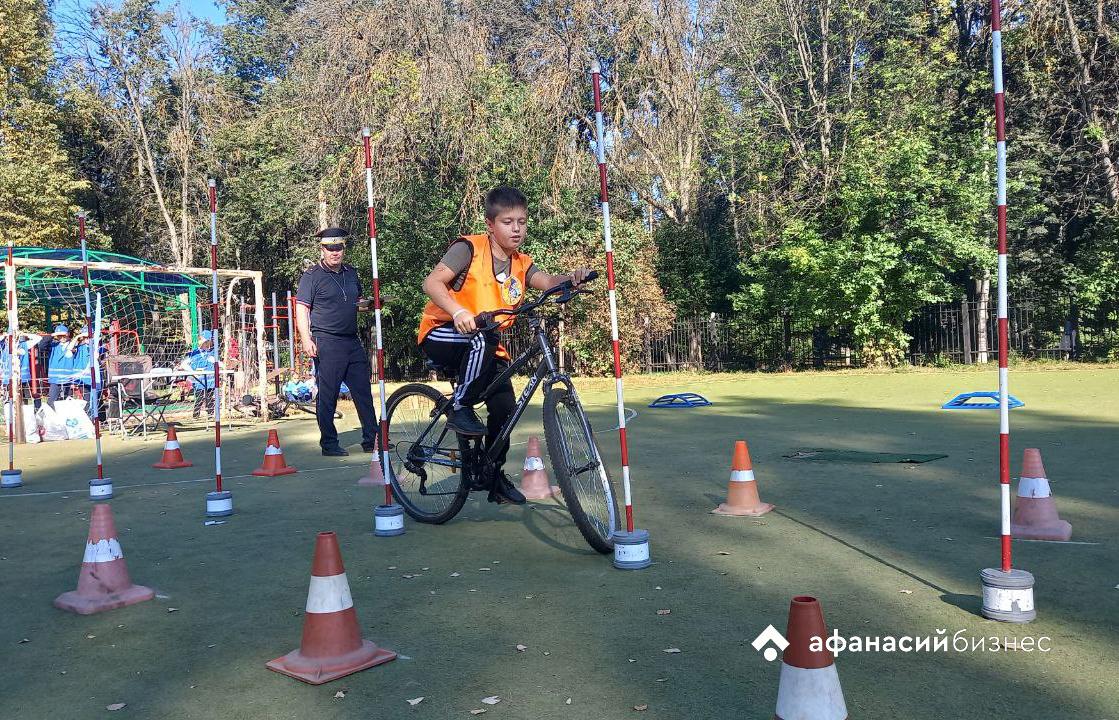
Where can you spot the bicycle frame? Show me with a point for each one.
(547, 374)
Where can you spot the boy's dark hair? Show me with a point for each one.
(504, 197)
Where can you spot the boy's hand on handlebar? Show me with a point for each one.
(582, 275)
(464, 323)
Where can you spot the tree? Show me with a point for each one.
(37, 178)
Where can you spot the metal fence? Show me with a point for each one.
(940, 334)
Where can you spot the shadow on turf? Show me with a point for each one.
(547, 521)
(953, 500)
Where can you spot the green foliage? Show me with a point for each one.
(842, 176)
(37, 179)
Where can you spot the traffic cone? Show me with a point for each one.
(172, 453)
(809, 685)
(375, 478)
(332, 646)
(742, 491)
(1035, 512)
(103, 581)
(534, 478)
(274, 463)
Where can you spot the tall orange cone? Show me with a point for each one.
(332, 646)
(534, 478)
(375, 478)
(1035, 512)
(742, 491)
(274, 463)
(172, 453)
(809, 685)
(103, 581)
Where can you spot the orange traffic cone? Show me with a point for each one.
(1035, 512)
(274, 463)
(332, 646)
(742, 491)
(375, 478)
(103, 581)
(809, 685)
(534, 478)
(172, 453)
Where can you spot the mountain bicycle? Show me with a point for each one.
(434, 469)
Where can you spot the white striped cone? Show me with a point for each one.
(103, 582)
(809, 686)
(375, 478)
(742, 490)
(274, 463)
(534, 478)
(1035, 511)
(172, 453)
(332, 646)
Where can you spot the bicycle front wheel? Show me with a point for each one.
(426, 473)
(579, 468)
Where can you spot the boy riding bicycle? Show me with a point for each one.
(482, 273)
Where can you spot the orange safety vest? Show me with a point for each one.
(481, 291)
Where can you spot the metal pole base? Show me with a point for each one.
(11, 478)
(219, 504)
(1008, 596)
(631, 550)
(101, 489)
(388, 520)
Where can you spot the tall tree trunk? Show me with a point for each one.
(983, 293)
(1089, 108)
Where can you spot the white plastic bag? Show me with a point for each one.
(52, 426)
(73, 414)
(30, 425)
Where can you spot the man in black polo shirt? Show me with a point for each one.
(327, 303)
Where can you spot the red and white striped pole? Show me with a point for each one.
(631, 548)
(388, 518)
(1007, 593)
(12, 477)
(98, 488)
(219, 503)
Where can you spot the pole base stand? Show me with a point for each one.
(1008, 596)
(11, 478)
(101, 489)
(631, 550)
(388, 520)
(219, 504)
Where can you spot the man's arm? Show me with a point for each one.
(303, 324)
(304, 298)
(437, 285)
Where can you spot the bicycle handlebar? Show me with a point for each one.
(485, 321)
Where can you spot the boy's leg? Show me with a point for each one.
(447, 348)
(476, 370)
(444, 347)
(499, 407)
(52, 394)
(357, 380)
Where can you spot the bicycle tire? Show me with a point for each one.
(421, 400)
(592, 502)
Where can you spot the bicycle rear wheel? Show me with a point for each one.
(579, 468)
(426, 473)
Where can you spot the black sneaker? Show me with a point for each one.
(369, 447)
(465, 421)
(506, 492)
(334, 452)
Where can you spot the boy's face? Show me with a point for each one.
(508, 228)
